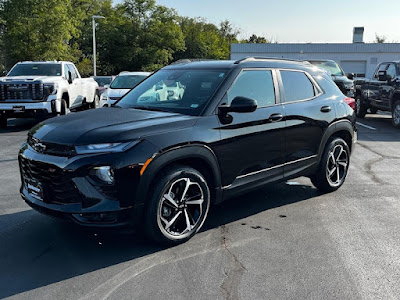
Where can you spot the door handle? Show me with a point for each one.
(326, 109)
(275, 117)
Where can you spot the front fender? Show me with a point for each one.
(174, 155)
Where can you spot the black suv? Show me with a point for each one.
(343, 81)
(159, 163)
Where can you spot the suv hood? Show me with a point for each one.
(108, 125)
(117, 92)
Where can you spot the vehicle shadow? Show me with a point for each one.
(37, 251)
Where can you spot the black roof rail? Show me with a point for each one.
(189, 60)
(252, 58)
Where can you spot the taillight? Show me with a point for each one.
(350, 102)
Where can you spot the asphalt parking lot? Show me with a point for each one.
(287, 241)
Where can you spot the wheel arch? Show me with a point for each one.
(394, 99)
(343, 129)
(199, 156)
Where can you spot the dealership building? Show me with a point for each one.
(357, 57)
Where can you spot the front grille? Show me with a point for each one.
(51, 148)
(57, 184)
(21, 91)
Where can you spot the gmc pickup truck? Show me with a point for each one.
(44, 88)
(382, 92)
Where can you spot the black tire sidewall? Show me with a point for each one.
(161, 183)
(319, 179)
(393, 122)
(361, 109)
(3, 122)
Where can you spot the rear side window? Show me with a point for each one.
(254, 84)
(297, 86)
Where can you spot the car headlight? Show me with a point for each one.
(106, 147)
(103, 97)
(50, 88)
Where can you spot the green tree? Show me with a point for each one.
(37, 30)
(380, 39)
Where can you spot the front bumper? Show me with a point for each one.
(28, 109)
(70, 194)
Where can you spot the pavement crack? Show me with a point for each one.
(368, 165)
(236, 269)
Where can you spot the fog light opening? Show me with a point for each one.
(105, 174)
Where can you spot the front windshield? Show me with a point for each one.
(181, 91)
(126, 81)
(330, 66)
(36, 70)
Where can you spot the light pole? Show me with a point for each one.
(94, 42)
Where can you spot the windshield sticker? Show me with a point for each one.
(221, 75)
(194, 106)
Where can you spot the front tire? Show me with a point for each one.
(333, 167)
(63, 110)
(396, 114)
(361, 108)
(178, 205)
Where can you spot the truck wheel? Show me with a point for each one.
(63, 110)
(333, 167)
(178, 205)
(95, 103)
(361, 108)
(3, 122)
(373, 110)
(396, 114)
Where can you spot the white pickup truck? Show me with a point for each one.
(44, 88)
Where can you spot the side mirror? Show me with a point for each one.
(4, 72)
(69, 77)
(240, 105)
(106, 86)
(350, 76)
(159, 87)
(382, 76)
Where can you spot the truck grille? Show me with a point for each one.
(58, 186)
(21, 91)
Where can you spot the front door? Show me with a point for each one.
(251, 146)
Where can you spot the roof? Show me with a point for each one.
(44, 62)
(317, 48)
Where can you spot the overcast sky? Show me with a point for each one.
(301, 21)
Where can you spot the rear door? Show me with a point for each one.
(75, 88)
(387, 88)
(308, 113)
(251, 147)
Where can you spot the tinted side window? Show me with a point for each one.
(297, 86)
(73, 72)
(391, 71)
(382, 67)
(254, 84)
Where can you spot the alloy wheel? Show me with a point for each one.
(180, 208)
(336, 166)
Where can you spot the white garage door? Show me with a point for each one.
(358, 67)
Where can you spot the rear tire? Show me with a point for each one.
(396, 114)
(333, 167)
(3, 122)
(178, 205)
(361, 108)
(96, 102)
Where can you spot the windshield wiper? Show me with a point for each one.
(151, 108)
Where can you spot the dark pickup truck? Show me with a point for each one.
(381, 92)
